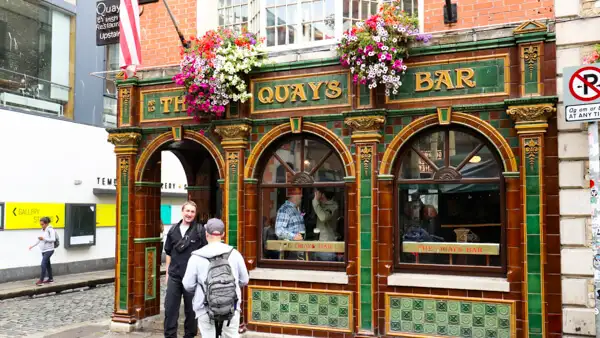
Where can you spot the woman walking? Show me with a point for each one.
(46, 241)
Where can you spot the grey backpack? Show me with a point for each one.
(220, 298)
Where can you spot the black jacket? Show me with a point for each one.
(179, 260)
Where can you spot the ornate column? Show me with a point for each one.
(366, 135)
(234, 139)
(126, 147)
(531, 123)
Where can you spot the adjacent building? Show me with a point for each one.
(446, 195)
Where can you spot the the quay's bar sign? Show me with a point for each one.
(454, 79)
(300, 92)
(163, 105)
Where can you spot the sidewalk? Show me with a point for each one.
(62, 283)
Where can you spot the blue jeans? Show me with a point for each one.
(46, 265)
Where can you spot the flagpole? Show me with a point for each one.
(183, 42)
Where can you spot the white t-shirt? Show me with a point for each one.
(183, 229)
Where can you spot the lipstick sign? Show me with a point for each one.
(582, 93)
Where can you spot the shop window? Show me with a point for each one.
(233, 14)
(450, 203)
(34, 56)
(302, 201)
(80, 225)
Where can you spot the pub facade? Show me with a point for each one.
(441, 200)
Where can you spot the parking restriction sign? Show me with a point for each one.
(582, 93)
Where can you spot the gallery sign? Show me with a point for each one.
(454, 79)
(300, 92)
(107, 22)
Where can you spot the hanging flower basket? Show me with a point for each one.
(593, 57)
(213, 70)
(375, 49)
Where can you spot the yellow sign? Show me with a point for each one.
(106, 215)
(27, 215)
(452, 248)
(306, 246)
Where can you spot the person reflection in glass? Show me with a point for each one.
(289, 224)
(326, 209)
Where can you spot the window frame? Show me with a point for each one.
(257, 22)
(2, 212)
(295, 264)
(472, 270)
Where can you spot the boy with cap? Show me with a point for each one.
(196, 276)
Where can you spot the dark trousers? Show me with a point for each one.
(173, 296)
(46, 265)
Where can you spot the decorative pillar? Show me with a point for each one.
(531, 125)
(366, 135)
(234, 139)
(126, 147)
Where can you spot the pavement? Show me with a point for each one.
(75, 306)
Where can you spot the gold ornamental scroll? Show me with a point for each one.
(307, 246)
(486, 249)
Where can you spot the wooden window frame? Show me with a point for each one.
(472, 270)
(295, 264)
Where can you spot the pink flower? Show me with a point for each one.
(201, 130)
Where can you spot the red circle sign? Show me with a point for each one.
(580, 86)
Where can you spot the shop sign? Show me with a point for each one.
(306, 246)
(454, 79)
(27, 215)
(300, 92)
(111, 183)
(107, 22)
(452, 248)
(163, 105)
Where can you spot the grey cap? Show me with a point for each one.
(215, 227)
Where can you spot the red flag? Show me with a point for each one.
(130, 55)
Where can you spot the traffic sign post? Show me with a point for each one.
(582, 104)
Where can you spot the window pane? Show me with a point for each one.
(307, 31)
(281, 16)
(237, 15)
(364, 11)
(346, 9)
(319, 221)
(270, 17)
(451, 224)
(281, 35)
(221, 18)
(270, 37)
(245, 13)
(291, 154)
(355, 7)
(306, 12)
(373, 7)
(317, 10)
(291, 34)
(236, 2)
(329, 9)
(270, 2)
(292, 15)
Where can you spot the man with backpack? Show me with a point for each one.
(182, 239)
(48, 241)
(216, 274)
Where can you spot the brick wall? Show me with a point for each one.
(160, 43)
(477, 13)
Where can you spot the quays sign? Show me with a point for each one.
(454, 79)
(163, 105)
(300, 92)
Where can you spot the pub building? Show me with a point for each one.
(431, 212)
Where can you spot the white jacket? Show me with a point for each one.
(47, 244)
(197, 270)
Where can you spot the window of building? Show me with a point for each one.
(34, 56)
(297, 23)
(109, 114)
(450, 203)
(302, 205)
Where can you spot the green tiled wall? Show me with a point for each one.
(232, 210)
(449, 317)
(364, 95)
(531, 73)
(533, 242)
(366, 253)
(124, 238)
(301, 308)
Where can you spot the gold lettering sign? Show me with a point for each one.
(297, 92)
(489, 249)
(306, 246)
(442, 79)
(169, 104)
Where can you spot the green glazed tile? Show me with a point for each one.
(533, 205)
(533, 244)
(533, 264)
(533, 225)
(534, 303)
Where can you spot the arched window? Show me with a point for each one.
(450, 202)
(302, 204)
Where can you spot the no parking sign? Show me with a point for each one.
(582, 93)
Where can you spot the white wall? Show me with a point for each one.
(41, 158)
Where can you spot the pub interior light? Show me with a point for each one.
(475, 159)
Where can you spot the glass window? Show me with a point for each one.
(302, 204)
(233, 14)
(109, 114)
(34, 56)
(449, 197)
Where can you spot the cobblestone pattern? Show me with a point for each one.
(27, 316)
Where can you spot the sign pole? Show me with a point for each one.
(594, 152)
(181, 38)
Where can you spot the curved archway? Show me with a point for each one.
(167, 137)
(308, 127)
(481, 127)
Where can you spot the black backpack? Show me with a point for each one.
(220, 297)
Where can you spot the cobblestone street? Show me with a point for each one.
(27, 316)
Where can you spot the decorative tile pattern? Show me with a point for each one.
(530, 68)
(365, 279)
(123, 233)
(533, 241)
(150, 280)
(301, 308)
(448, 317)
(232, 196)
